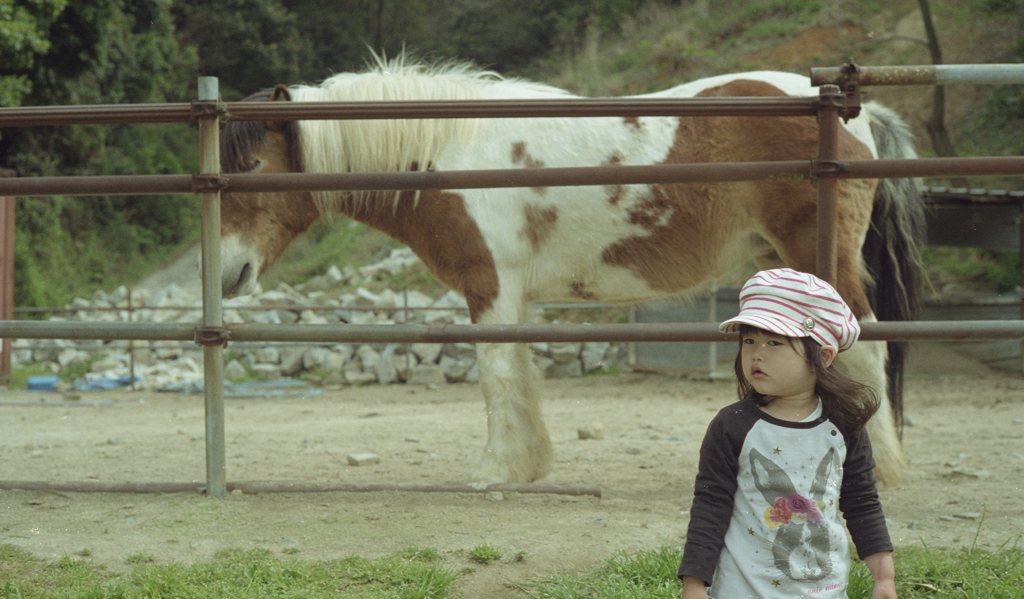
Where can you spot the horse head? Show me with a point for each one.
(257, 227)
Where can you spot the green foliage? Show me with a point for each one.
(23, 39)
(99, 52)
(985, 269)
(740, 22)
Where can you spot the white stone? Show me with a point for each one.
(564, 352)
(460, 351)
(291, 359)
(592, 355)
(266, 371)
(234, 371)
(426, 352)
(363, 459)
(358, 377)
(455, 369)
(268, 355)
(426, 374)
(593, 431)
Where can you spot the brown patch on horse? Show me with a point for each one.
(708, 220)
(522, 157)
(268, 221)
(439, 229)
(634, 122)
(540, 222)
(615, 192)
(579, 289)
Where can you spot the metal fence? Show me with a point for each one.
(838, 98)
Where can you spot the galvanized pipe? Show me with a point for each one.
(494, 333)
(997, 74)
(503, 178)
(7, 214)
(213, 354)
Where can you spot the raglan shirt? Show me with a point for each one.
(765, 520)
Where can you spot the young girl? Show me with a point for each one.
(778, 466)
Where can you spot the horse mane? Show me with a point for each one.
(392, 145)
(239, 139)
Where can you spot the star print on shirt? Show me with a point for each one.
(777, 450)
(776, 583)
(750, 531)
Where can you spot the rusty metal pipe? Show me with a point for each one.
(577, 107)
(254, 487)
(998, 74)
(501, 178)
(29, 116)
(827, 183)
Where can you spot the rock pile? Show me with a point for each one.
(176, 366)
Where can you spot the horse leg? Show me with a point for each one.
(518, 447)
(865, 362)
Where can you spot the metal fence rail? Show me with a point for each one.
(832, 104)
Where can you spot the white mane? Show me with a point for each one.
(390, 145)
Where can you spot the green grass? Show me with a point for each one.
(484, 554)
(414, 573)
(418, 573)
(921, 573)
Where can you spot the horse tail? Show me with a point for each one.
(892, 250)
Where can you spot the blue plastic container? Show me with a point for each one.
(44, 382)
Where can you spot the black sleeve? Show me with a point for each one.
(858, 498)
(713, 494)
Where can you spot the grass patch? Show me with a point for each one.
(920, 573)
(484, 554)
(417, 573)
(413, 573)
(984, 269)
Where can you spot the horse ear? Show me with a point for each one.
(280, 93)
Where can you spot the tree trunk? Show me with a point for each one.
(942, 143)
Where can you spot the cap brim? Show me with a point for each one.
(773, 325)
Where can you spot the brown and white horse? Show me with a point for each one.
(505, 248)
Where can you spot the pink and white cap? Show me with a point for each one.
(795, 304)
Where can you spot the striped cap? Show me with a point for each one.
(795, 304)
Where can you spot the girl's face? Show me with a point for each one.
(775, 366)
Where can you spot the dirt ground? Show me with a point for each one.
(963, 487)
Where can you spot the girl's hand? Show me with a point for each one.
(693, 588)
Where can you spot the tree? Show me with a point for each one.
(936, 123)
(97, 52)
(23, 40)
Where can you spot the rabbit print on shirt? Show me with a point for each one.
(801, 548)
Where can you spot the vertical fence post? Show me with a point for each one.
(828, 183)
(6, 278)
(213, 353)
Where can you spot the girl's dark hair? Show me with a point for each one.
(846, 402)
